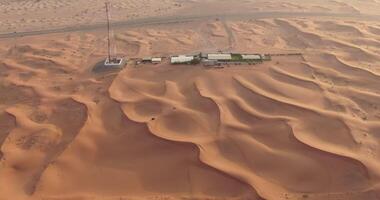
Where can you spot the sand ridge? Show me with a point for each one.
(298, 127)
(30, 15)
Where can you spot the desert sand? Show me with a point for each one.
(297, 127)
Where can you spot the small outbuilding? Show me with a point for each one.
(210, 63)
(146, 60)
(156, 60)
(203, 55)
(266, 57)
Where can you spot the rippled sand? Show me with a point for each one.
(298, 127)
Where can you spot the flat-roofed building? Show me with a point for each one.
(251, 57)
(209, 63)
(156, 60)
(220, 56)
(266, 57)
(181, 59)
(147, 59)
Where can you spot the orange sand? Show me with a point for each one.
(301, 127)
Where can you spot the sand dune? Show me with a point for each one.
(242, 109)
(297, 127)
(29, 14)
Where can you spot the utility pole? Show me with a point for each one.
(108, 31)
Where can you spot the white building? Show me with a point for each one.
(181, 59)
(156, 60)
(147, 59)
(251, 57)
(221, 56)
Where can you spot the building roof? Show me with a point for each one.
(209, 62)
(222, 56)
(181, 59)
(156, 59)
(251, 57)
(203, 55)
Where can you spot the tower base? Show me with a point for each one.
(113, 62)
(110, 65)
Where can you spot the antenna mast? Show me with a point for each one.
(108, 31)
